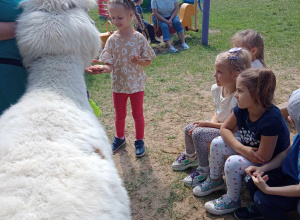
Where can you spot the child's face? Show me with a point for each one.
(120, 17)
(223, 76)
(242, 95)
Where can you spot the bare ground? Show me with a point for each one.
(155, 190)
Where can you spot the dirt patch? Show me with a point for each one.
(163, 48)
(155, 190)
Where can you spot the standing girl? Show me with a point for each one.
(125, 54)
(228, 65)
(263, 134)
(252, 41)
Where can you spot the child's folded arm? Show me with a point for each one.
(266, 147)
(273, 164)
(226, 131)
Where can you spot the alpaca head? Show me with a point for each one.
(57, 27)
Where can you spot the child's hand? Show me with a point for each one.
(253, 170)
(135, 59)
(250, 154)
(196, 125)
(96, 69)
(260, 181)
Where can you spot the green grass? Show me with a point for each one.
(277, 20)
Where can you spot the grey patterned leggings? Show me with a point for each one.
(198, 142)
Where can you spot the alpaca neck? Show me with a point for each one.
(62, 75)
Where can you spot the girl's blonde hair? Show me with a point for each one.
(236, 59)
(130, 6)
(250, 39)
(261, 84)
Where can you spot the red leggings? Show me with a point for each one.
(120, 104)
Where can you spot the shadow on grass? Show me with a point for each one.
(138, 175)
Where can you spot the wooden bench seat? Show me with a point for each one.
(283, 109)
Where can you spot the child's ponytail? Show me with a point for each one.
(266, 86)
(261, 84)
(139, 20)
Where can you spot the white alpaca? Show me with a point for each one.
(48, 165)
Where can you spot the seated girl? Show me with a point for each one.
(279, 190)
(263, 135)
(228, 66)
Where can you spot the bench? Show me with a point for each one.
(283, 109)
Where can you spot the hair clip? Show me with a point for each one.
(233, 58)
(235, 49)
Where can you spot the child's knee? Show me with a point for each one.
(197, 133)
(188, 128)
(217, 142)
(232, 164)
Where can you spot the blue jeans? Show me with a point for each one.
(165, 27)
(273, 207)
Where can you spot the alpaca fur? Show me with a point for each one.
(49, 139)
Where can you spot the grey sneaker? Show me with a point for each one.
(173, 50)
(185, 46)
(208, 186)
(196, 177)
(222, 205)
(184, 161)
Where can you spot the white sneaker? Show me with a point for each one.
(222, 205)
(184, 161)
(197, 176)
(185, 46)
(208, 186)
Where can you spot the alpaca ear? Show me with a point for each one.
(83, 4)
(66, 6)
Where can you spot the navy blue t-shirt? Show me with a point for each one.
(291, 164)
(271, 123)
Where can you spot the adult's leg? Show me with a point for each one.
(178, 27)
(201, 136)
(165, 30)
(218, 150)
(136, 100)
(120, 104)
